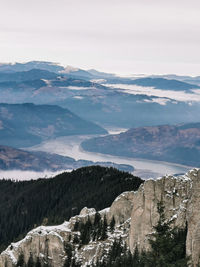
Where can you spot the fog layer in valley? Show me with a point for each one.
(18, 175)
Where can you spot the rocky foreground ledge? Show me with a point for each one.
(135, 214)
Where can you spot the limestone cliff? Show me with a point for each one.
(135, 215)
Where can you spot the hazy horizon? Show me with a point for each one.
(125, 74)
(129, 37)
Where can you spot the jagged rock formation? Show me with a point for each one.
(135, 215)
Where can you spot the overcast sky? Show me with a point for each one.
(126, 36)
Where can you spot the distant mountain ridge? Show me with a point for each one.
(178, 143)
(158, 83)
(29, 75)
(17, 159)
(18, 67)
(27, 124)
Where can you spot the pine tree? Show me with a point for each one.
(76, 226)
(20, 262)
(97, 218)
(136, 257)
(104, 229)
(112, 224)
(99, 230)
(67, 262)
(85, 232)
(68, 250)
(76, 239)
(38, 263)
(167, 245)
(30, 261)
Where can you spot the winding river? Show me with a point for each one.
(70, 146)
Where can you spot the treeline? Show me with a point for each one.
(96, 231)
(27, 204)
(89, 232)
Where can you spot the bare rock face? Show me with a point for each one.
(122, 207)
(85, 211)
(174, 195)
(181, 198)
(47, 243)
(135, 214)
(193, 218)
(42, 242)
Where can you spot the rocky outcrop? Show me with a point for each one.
(47, 243)
(173, 192)
(135, 214)
(181, 198)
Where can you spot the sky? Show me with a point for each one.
(123, 37)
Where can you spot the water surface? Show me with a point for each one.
(70, 146)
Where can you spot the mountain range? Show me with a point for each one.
(27, 124)
(172, 143)
(158, 83)
(99, 97)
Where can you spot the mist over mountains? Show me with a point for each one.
(91, 96)
(44, 100)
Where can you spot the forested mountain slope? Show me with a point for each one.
(51, 201)
(27, 124)
(172, 143)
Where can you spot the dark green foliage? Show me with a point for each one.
(91, 231)
(112, 224)
(136, 258)
(168, 245)
(74, 263)
(97, 218)
(104, 229)
(70, 260)
(86, 230)
(20, 262)
(76, 226)
(68, 251)
(30, 262)
(118, 256)
(38, 263)
(30, 202)
(76, 239)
